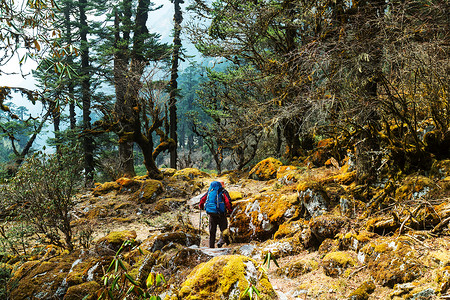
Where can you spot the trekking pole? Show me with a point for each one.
(199, 228)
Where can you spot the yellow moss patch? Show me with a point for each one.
(168, 172)
(118, 237)
(225, 277)
(265, 169)
(189, 174)
(289, 229)
(105, 188)
(335, 263)
(235, 195)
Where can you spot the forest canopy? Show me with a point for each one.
(277, 77)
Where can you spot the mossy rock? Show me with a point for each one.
(287, 174)
(149, 191)
(442, 257)
(265, 169)
(42, 279)
(181, 238)
(190, 174)
(86, 291)
(143, 265)
(383, 224)
(328, 245)
(168, 172)
(327, 226)
(345, 178)
(126, 182)
(115, 239)
(355, 240)
(169, 204)
(259, 217)
(105, 188)
(298, 267)
(289, 229)
(226, 277)
(313, 197)
(282, 248)
(414, 187)
(392, 261)
(363, 291)
(335, 263)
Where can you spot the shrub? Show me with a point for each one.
(41, 194)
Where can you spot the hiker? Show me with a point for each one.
(217, 204)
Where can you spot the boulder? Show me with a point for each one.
(105, 188)
(265, 169)
(111, 243)
(298, 267)
(171, 238)
(313, 197)
(87, 290)
(327, 226)
(363, 291)
(259, 217)
(226, 277)
(335, 263)
(149, 190)
(392, 261)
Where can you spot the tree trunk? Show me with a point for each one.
(121, 110)
(178, 18)
(88, 143)
(367, 157)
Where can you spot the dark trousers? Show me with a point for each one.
(214, 220)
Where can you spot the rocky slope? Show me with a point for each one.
(331, 238)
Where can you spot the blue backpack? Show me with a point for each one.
(214, 201)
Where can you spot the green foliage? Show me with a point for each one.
(252, 290)
(5, 275)
(15, 237)
(118, 284)
(41, 194)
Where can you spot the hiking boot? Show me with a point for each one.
(220, 244)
